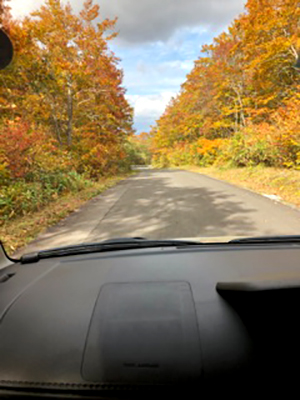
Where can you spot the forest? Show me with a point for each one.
(240, 105)
(64, 118)
(66, 127)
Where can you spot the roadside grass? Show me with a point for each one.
(284, 183)
(20, 231)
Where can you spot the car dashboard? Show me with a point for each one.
(147, 322)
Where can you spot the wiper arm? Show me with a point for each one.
(105, 246)
(138, 242)
(268, 239)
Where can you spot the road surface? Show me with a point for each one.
(172, 204)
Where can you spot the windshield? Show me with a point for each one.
(151, 119)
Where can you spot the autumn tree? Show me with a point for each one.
(238, 87)
(66, 82)
(4, 14)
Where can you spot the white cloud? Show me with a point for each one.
(163, 72)
(151, 20)
(21, 7)
(150, 106)
(186, 65)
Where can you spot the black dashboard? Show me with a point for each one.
(139, 322)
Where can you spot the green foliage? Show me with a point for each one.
(243, 151)
(22, 197)
(137, 153)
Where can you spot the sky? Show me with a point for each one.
(158, 42)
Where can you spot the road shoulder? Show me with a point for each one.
(279, 185)
(36, 227)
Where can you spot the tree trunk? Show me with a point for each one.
(57, 128)
(236, 113)
(70, 113)
(240, 102)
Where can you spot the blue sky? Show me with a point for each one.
(154, 71)
(158, 42)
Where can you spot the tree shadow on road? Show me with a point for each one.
(160, 204)
(155, 208)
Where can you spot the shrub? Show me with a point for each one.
(137, 153)
(17, 144)
(22, 197)
(252, 146)
(208, 150)
(203, 152)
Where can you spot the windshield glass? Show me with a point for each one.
(158, 119)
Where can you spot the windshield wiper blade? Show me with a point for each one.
(138, 242)
(268, 239)
(105, 246)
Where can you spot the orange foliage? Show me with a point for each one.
(18, 144)
(64, 118)
(66, 82)
(243, 91)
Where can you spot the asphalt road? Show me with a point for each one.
(172, 204)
